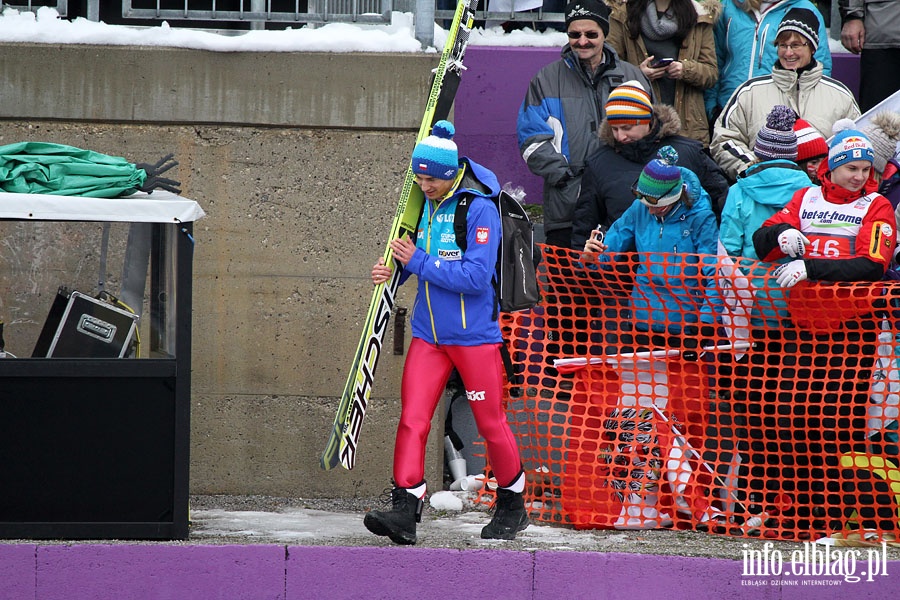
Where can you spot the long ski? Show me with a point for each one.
(344, 439)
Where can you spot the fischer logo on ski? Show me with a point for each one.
(367, 374)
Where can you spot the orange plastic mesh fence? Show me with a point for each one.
(735, 408)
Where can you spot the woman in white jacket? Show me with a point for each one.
(796, 81)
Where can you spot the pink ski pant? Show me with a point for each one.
(425, 375)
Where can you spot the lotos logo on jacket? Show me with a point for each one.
(481, 235)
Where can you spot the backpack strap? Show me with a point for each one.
(460, 228)
(461, 221)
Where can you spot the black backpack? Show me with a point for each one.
(515, 282)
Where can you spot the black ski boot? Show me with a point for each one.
(509, 517)
(399, 523)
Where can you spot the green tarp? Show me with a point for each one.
(45, 168)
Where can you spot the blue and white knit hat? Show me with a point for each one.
(436, 155)
(660, 183)
(848, 145)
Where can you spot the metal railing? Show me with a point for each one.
(259, 12)
(61, 6)
(268, 11)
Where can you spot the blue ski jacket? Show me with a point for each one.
(760, 191)
(745, 45)
(455, 300)
(670, 282)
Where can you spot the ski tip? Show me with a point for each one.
(328, 463)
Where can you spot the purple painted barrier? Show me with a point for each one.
(275, 572)
(17, 571)
(845, 68)
(312, 572)
(136, 572)
(492, 89)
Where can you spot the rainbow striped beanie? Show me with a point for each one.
(628, 104)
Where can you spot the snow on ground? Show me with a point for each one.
(450, 520)
(444, 528)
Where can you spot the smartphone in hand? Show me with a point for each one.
(661, 62)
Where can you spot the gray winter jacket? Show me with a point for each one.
(880, 18)
(558, 122)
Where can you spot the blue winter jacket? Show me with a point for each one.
(670, 282)
(455, 300)
(760, 191)
(745, 48)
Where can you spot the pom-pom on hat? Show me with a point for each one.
(776, 139)
(595, 10)
(802, 21)
(883, 132)
(810, 143)
(436, 155)
(628, 104)
(848, 145)
(660, 183)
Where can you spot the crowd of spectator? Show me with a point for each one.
(787, 178)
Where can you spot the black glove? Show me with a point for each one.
(566, 178)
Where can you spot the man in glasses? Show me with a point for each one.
(558, 121)
(797, 81)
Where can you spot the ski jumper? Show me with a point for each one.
(452, 326)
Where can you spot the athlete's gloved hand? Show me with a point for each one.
(792, 242)
(790, 274)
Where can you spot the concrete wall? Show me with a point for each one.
(298, 160)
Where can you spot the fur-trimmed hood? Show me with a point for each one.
(707, 10)
(670, 124)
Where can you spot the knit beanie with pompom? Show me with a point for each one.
(848, 145)
(884, 133)
(660, 183)
(436, 155)
(776, 139)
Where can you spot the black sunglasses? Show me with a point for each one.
(591, 35)
(650, 199)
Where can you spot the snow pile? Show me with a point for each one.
(46, 27)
